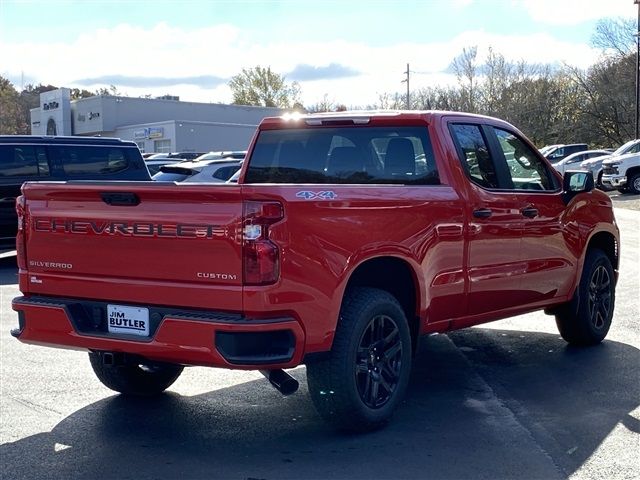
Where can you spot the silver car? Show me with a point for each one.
(573, 161)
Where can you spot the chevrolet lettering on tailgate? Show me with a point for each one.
(142, 229)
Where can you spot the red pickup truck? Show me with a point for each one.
(346, 238)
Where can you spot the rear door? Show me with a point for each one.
(142, 242)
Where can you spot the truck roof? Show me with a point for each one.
(80, 140)
(364, 117)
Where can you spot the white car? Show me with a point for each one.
(594, 165)
(622, 172)
(154, 165)
(573, 161)
(201, 171)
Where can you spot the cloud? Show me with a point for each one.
(180, 61)
(304, 72)
(202, 81)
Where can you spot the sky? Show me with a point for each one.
(345, 51)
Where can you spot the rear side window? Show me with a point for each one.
(23, 161)
(225, 173)
(344, 155)
(91, 160)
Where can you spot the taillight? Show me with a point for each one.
(260, 256)
(21, 211)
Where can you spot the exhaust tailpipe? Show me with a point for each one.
(281, 381)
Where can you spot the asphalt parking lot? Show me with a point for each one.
(504, 400)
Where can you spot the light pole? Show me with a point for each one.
(637, 2)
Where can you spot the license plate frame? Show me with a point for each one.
(128, 320)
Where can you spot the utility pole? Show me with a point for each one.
(407, 80)
(637, 2)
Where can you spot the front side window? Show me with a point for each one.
(527, 170)
(475, 155)
(344, 155)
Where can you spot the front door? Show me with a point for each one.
(548, 262)
(493, 230)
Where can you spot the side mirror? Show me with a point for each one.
(575, 182)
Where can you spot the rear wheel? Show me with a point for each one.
(362, 382)
(142, 377)
(587, 318)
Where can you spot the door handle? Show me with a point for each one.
(529, 212)
(482, 213)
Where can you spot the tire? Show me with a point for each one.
(602, 186)
(135, 378)
(633, 185)
(586, 319)
(358, 387)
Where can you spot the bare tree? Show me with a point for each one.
(615, 36)
(466, 68)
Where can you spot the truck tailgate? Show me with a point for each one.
(138, 243)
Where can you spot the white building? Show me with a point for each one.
(156, 125)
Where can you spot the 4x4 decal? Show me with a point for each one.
(325, 195)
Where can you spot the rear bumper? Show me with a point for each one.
(186, 337)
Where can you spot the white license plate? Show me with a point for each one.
(129, 320)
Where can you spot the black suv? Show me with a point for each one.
(26, 158)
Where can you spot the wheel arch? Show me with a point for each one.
(608, 243)
(396, 276)
(633, 170)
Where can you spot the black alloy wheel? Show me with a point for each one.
(379, 361)
(361, 383)
(586, 318)
(599, 301)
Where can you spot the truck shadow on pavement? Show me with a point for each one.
(482, 403)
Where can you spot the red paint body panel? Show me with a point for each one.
(182, 247)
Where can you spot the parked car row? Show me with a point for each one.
(215, 167)
(619, 169)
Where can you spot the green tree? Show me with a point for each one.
(262, 87)
(12, 120)
(77, 93)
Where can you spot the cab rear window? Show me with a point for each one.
(344, 155)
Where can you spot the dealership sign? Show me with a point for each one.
(151, 132)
